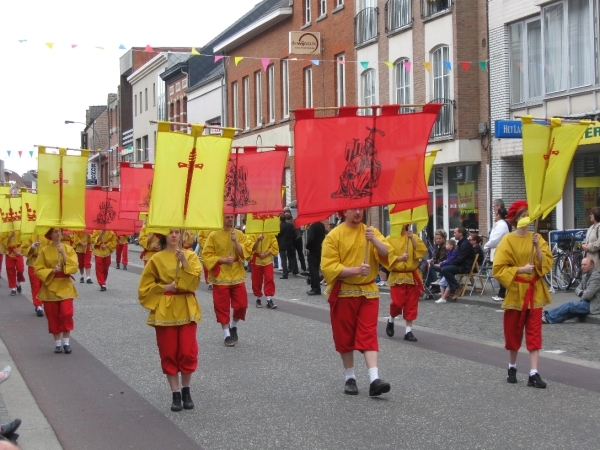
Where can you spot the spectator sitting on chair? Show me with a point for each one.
(476, 243)
(588, 290)
(450, 254)
(461, 264)
(439, 254)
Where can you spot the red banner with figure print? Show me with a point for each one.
(136, 186)
(253, 181)
(350, 161)
(102, 207)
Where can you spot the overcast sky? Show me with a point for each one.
(43, 87)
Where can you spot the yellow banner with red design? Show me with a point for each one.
(10, 212)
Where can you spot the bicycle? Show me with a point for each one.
(566, 268)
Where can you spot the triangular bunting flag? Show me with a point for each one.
(427, 66)
(341, 61)
(22, 40)
(20, 153)
(73, 45)
(100, 48)
(316, 62)
(389, 64)
(448, 65)
(364, 64)
(31, 153)
(465, 65)
(218, 57)
(148, 48)
(265, 63)
(49, 44)
(237, 59)
(195, 52)
(8, 153)
(121, 47)
(407, 65)
(483, 65)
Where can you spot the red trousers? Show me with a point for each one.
(263, 275)
(122, 251)
(205, 273)
(513, 331)
(354, 324)
(405, 301)
(85, 259)
(35, 283)
(60, 316)
(178, 348)
(226, 298)
(102, 265)
(14, 270)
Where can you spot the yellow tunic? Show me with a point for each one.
(268, 244)
(219, 245)
(55, 289)
(343, 247)
(109, 239)
(3, 237)
(81, 239)
(149, 242)
(123, 239)
(67, 239)
(203, 236)
(401, 271)
(32, 251)
(11, 242)
(513, 252)
(170, 310)
(189, 236)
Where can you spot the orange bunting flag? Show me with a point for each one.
(10, 211)
(61, 189)
(29, 215)
(189, 179)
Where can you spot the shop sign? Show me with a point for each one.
(592, 134)
(302, 43)
(509, 129)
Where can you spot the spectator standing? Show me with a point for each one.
(591, 243)
(314, 240)
(501, 228)
(287, 251)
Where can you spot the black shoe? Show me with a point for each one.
(58, 349)
(284, 277)
(6, 429)
(378, 387)
(271, 305)
(295, 273)
(67, 348)
(389, 329)
(536, 382)
(19, 289)
(81, 280)
(313, 293)
(350, 387)
(13, 292)
(89, 281)
(188, 403)
(258, 303)
(233, 333)
(102, 288)
(229, 342)
(512, 375)
(410, 337)
(176, 405)
(118, 266)
(39, 311)
(305, 273)
(124, 266)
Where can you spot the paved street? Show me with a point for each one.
(281, 386)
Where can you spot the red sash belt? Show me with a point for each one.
(337, 287)
(179, 293)
(63, 275)
(217, 269)
(415, 275)
(529, 296)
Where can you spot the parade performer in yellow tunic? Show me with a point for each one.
(104, 242)
(54, 266)
(224, 255)
(14, 261)
(31, 248)
(354, 295)
(405, 279)
(122, 251)
(202, 237)
(526, 291)
(150, 243)
(167, 288)
(264, 247)
(83, 248)
(189, 237)
(2, 251)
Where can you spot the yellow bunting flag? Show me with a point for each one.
(195, 52)
(49, 45)
(10, 212)
(29, 213)
(547, 155)
(262, 224)
(61, 189)
(389, 64)
(237, 59)
(189, 179)
(427, 66)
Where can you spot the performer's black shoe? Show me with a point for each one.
(188, 403)
(124, 266)
(233, 333)
(313, 293)
(67, 348)
(271, 305)
(389, 329)
(176, 405)
(58, 349)
(229, 342)
(103, 288)
(89, 281)
(350, 387)
(39, 311)
(410, 337)
(536, 382)
(258, 303)
(285, 277)
(378, 387)
(81, 280)
(512, 375)
(118, 266)
(13, 292)
(19, 288)
(6, 429)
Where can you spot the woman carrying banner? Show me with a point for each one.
(105, 242)
(167, 288)
(521, 260)
(264, 247)
(54, 266)
(31, 248)
(82, 245)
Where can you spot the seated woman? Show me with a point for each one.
(476, 243)
(439, 254)
(451, 253)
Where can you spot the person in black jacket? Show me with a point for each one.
(287, 251)
(461, 264)
(314, 239)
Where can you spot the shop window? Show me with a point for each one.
(463, 198)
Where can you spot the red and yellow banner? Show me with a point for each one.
(29, 213)
(10, 212)
(262, 224)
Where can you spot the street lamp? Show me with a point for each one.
(94, 134)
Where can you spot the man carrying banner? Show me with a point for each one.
(54, 266)
(122, 251)
(83, 248)
(353, 294)
(150, 242)
(405, 281)
(224, 255)
(264, 247)
(104, 242)
(14, 261)
(31, 248)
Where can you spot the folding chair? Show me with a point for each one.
(466, 277)
(484, 276)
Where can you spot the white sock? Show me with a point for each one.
(349, 373)
(226, 332)
(233, 324)
(89, 278)
(373, 374)
(390, 319)
(532, 372)
(65, 341)
(408, 329)
(57, 343)
(268, 299)
(512, 366)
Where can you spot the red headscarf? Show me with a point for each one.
(515, 208)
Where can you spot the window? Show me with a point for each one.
(141, 102)
(234, 106)
(177, 86)
(135, 103)
(258, 98)
(368, 89)
(171, 90)
(184, 83)
(308, 94)
(322, 7)
(340, 78)
(285, 88)
(402, 79)
(339, 3)
(365, 22)
(399, 14)
(271, 92)
(307, 11)
(145, 147)
(153, 94)
(138, 149)
(441, 73)
(146, 98)
(431, 7)
(526, 78)
(246, 103)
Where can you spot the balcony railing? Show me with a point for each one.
(399, 14)
(365, 26)
(444, 124)
(432, 7)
